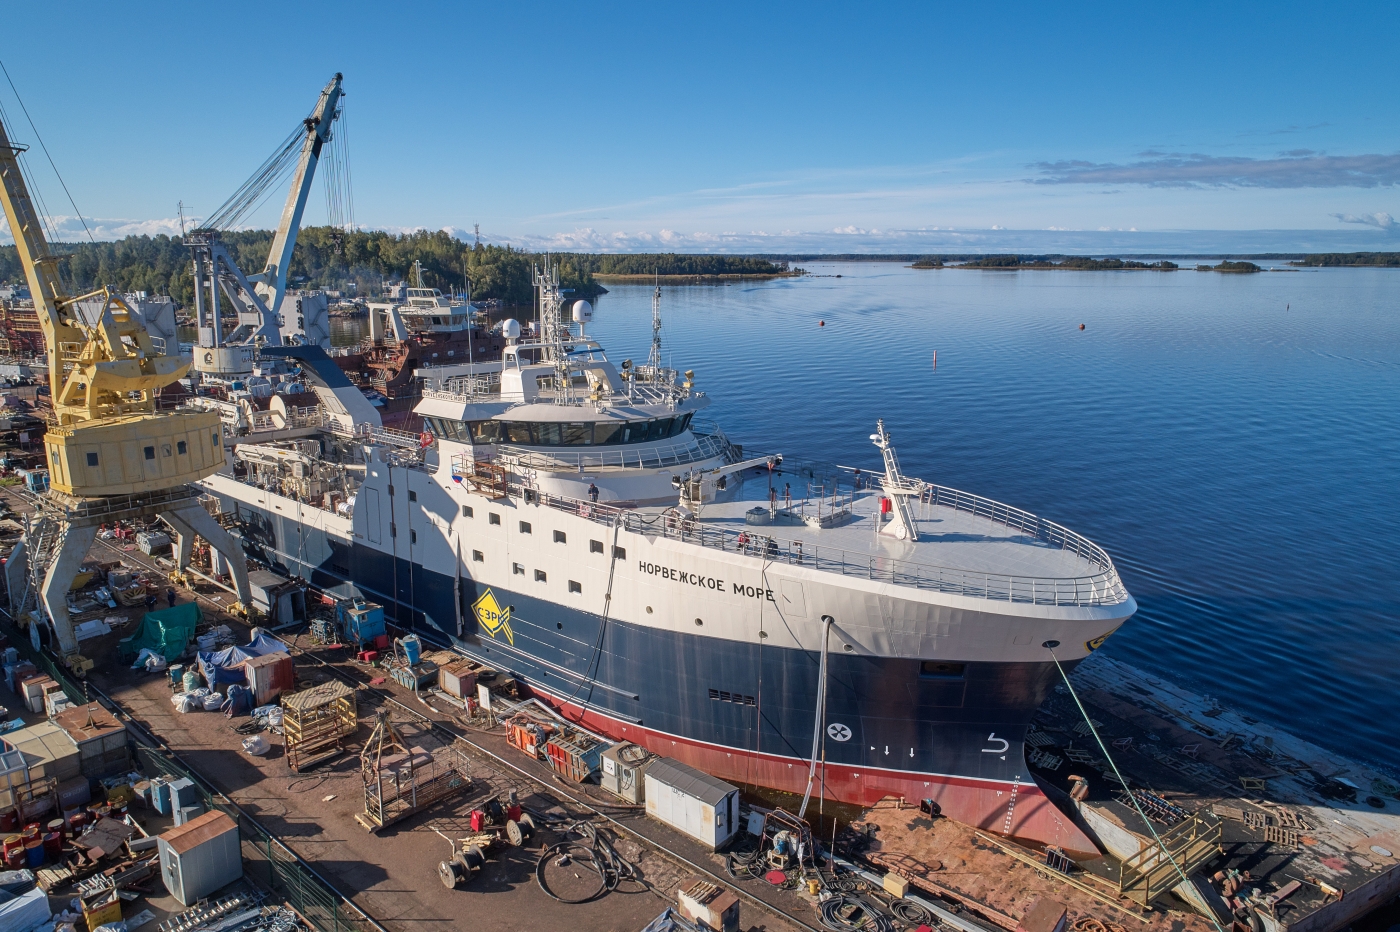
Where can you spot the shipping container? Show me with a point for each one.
(269, 676)
(200, 857)
(693, 803)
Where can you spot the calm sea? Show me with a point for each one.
(1232, 440)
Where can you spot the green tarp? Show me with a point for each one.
(167, 632)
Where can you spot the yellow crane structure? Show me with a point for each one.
(111, 454)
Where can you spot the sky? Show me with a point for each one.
(737, 127)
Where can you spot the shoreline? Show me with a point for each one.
(693, 279)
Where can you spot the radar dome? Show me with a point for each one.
(583, 312)
(510, 329)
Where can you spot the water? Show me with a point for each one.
(1232, 440)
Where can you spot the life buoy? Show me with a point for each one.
(425, 439)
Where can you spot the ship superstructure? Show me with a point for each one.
(581, 525)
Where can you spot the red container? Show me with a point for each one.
(9, 820)
(57, 825)
(381, 642)
(15, 859)
(478, 820)
(76, 822)
(14, 843)
(30, 833)
(53, 844)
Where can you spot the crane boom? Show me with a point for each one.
(40, 265)
(104, 372)
(272, 281)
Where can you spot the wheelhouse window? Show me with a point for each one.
(562, 434)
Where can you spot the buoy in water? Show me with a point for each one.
(935, 360)
(1081, 326)
(821, 323)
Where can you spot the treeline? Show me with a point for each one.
(675, 264)
(1332, 259)
(324, 258)
(1078, 263)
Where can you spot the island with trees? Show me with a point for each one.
(1227, 265)
(1072, 263)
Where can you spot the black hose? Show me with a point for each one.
(912, 913)
(600, 856)
(873, 921)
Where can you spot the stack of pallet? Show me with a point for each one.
(316, 723)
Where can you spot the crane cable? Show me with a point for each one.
(1050, 646)
(35, 130)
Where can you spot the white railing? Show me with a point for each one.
(1101, 588)
(703, 447)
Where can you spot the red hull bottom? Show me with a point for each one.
(1020, 811)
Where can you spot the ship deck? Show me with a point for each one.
(948, 537)
(967, 545)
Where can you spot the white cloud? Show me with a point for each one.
(1380, 220)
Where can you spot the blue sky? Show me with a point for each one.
(804, 127)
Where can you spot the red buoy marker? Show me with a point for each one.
(821, 323)
(1081, 326)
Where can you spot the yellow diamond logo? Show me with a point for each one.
(492, 617)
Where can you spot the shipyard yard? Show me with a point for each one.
(394, 578)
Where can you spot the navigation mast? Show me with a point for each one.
(654, 360)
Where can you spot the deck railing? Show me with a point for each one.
(703, 447)
(1098, 588)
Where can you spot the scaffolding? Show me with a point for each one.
(316, 723)
(401, 781)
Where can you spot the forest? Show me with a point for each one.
(325, 257)
(1077, 263)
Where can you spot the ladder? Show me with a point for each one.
(39, 539)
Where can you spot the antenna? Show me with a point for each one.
(181, 207)
(654, 360)
(476, 228)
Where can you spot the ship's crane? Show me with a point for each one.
(699, 487)
(257, 299)
(110, 453)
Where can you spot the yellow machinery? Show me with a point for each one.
(104, 372)
(110, 453)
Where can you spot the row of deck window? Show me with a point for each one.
(560, 537)
(557, 434)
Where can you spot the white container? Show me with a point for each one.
(200, 857)
(691, 802)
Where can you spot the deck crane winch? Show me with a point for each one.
(111, 455)
(257, 299)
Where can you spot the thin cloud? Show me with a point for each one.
(1380, 220)
(1297, 169)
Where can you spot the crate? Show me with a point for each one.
(315, 723)
(574, 756)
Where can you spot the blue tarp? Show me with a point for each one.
(222, 667)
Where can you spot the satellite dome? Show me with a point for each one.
(583, 312)
(510, 329)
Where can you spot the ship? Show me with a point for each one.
(769, 619)
(415, 327)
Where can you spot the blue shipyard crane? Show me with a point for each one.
(257, 299)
